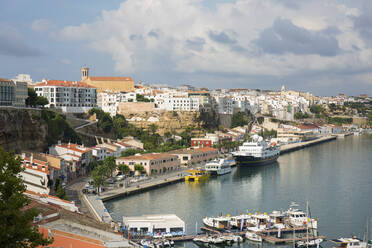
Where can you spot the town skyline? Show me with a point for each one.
(317, 47)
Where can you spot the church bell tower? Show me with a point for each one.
(84, 73)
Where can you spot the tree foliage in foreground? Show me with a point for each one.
(16, 228)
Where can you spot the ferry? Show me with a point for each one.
(218, 167)
(256, 152)
(196, 175)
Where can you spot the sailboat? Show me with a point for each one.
(313, 242)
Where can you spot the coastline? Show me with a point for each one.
(99, 206)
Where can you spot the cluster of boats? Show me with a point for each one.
(256, 222)
(157, 243)
(218, 239)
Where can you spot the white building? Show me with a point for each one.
(71, 97)
(36, 175)
(23, 78)
(174, 103)
(167, 223)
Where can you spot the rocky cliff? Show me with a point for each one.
(22, 129)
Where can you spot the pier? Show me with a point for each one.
(297, 146)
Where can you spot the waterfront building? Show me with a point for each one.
(153, 163)
(114, 84)
(195, 156)
(99, 153)
(166, 223)
(70, 97)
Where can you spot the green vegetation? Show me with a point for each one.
(139, 167)
(269, 133)
(260, 120)
(300, 115)
(16, 229)
(99, 176)
(34, 100)
(141, 98)
(59, 128)
(124, 169)
(129, 152)
(240, 119)
(110, 164)
(60, 191)
(319, 111)
(339, 120)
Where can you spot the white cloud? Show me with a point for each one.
(43, 25)
(65, 61)
(185, 36)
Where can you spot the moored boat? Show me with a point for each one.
(219, 223)
(256, 152)
(349, 243)
(196, 175)
(310, 243)
(252, 236)
(218, 167)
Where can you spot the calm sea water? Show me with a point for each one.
(335, 177)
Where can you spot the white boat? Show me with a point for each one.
(217, 222)
(310, 243)
(256, 152)
(166, 243)
(349, 243)
(260, 222)
(277, 220)
(252, 236)
(239, 220)
(216, 240)
(218, 167)
(201, 240)
(298, 218)
(232, 239)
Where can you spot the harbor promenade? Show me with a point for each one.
(297, 146)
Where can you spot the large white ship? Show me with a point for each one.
(256, 152)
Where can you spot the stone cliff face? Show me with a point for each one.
(22, 129)
(165, 121)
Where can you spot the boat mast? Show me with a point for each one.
(307, 225)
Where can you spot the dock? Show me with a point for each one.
(297, 146)
(274, 240)
(115, 193)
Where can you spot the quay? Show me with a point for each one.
(297, 146)
(114, 193)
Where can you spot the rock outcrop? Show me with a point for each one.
(22, 129)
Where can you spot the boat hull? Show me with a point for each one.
(251, 161)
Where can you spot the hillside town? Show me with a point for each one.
(208, 124)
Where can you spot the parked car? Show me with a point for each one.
(111, 180)
(120, 177)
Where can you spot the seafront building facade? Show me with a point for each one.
(70, 97)
(195, 156)
(153, 163)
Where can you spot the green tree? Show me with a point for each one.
(110, 164)
(129, 152)
(41, 100)
(139, 167)
(239, 119)
(153, 128)
(124, 169)
(32, 96)
(316, 109)
(99, 175)
(141, 98)
(16, 228)
(61, 193)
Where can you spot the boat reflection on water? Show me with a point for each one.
(244, 173)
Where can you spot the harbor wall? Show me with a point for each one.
(297, 146)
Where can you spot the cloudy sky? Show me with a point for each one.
(321, 46)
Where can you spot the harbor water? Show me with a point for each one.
(335, 177)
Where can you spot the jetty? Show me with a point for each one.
(297, 146)
(125, 191)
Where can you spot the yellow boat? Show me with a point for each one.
(196, 175)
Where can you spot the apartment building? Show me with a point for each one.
(35, 175)
(71, 97)
(13, 93)
(78, 156)
(153, 163)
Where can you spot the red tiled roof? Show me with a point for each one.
(149, 156)
(40, 165)
(5, 80)
(74, 147)
(110, 78)
(64, 84)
